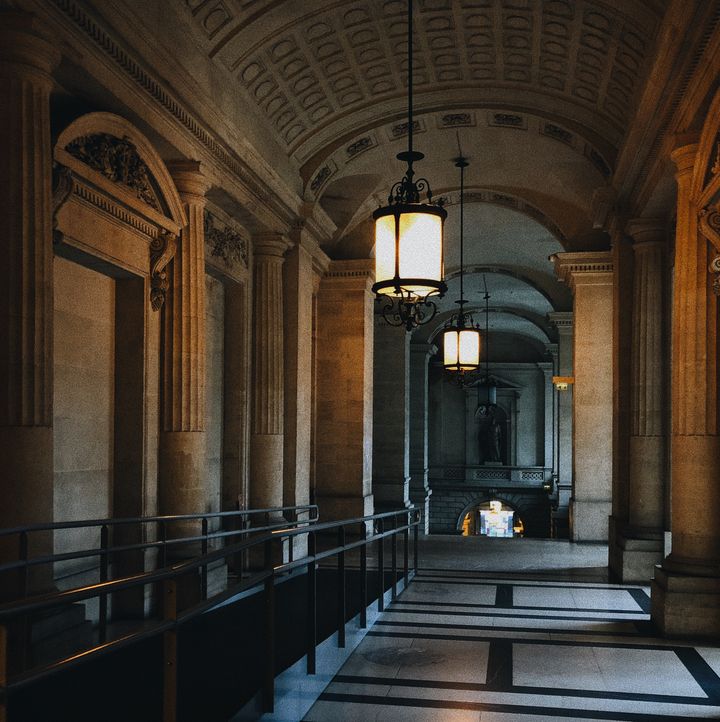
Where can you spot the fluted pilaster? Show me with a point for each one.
(648, 385)
(182, 466)
(686, 590)
(184, 310)
(695, 447)
(266, 481)
(639, 510)
(647, 389)
(27, 59)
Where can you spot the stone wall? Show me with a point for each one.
(214, 394)
(84, 366)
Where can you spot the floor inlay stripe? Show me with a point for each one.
(516, 630)
(504, 596)
(515, 640)
(701, 671)
(642, 599)
(551, 712)
(526, 608)
(521, 689)
(491, 613)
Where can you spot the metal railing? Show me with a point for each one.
(161, 537)
(271, 541)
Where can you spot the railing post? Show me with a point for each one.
(269, 677)
(104, 567)
(415, 544)
(3, 673)
(381, 567)
(291, 540)
(394, 557)
(203, 568)
(406, 549)
(312, 604)
(363, 577)
(162, 536)
(23, 572)
(24, 625)
(341, 587)
(170, 652)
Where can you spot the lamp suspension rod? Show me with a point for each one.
(487, 337)
(462, 226)
(410, 79)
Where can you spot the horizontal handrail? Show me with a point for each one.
(402, 522)
(138, 546)
(52, 526)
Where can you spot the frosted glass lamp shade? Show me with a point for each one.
(461, 349)
(409, 249)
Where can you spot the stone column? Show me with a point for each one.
(549, 432)
(590, 276)
(298, 277)
(345, 391)
(268, 403)
(563, 321)
(391, 417)
(27, 59)
(419, 398)
(181, 462)
(637, 540)
(686, 589)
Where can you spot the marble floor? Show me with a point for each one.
(520, 631)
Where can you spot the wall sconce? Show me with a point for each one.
(562, 383)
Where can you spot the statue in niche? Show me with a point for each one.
(489, 434)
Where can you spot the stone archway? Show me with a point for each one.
(533, 508)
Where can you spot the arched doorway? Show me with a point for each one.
(492, 518)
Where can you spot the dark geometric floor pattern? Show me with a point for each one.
(461, 645)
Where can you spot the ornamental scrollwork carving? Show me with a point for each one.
(62, 188)
(162, 250)
(119, 161)
(714, 268)
(710, 225)
(226, 243)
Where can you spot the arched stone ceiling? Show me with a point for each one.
(520, 161)
(518, 306)
(321, 71)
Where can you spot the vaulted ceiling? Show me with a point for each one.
(539, 94)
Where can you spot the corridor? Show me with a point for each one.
(548, 638)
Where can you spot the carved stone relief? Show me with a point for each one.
(62, 189)
(119, 161)
(162, 249)
(226, 243)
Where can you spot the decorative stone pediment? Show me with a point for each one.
(119, 161)
(115, 201)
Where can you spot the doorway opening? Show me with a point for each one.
(493, 519)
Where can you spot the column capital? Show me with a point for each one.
(26, 43)
(646, 231)
(562, 320)
(357, 274)
(270, 245)
(585, 268)
(684, 158)
(189, 179)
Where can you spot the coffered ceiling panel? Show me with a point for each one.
(316, 68)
